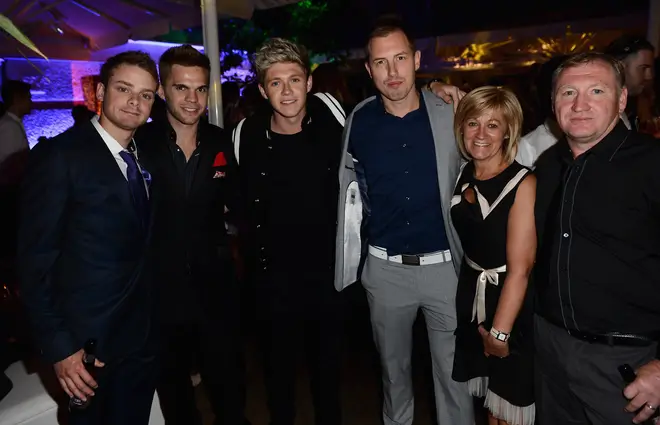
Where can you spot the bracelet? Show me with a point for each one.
(435, 80)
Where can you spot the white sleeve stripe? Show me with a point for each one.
(337, 112)
(236, 139)
(335, 102)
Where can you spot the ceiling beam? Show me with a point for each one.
(25, 10)
(10, 10)
(103, 15)
(145, 8)
(44, 8)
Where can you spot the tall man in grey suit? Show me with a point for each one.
(397, 176)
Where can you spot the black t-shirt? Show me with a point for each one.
(301, 210)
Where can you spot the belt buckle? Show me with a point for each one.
(410, 260)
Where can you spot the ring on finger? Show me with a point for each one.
(650, 406)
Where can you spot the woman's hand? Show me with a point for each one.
(492, 346)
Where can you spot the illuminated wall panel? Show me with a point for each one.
(58, 81)
(47, 123)
(56, 86)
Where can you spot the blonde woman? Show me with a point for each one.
(493, 212)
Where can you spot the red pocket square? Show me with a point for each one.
(220, 160)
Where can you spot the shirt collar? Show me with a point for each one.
(171, 133)
(605, 149)
(381, 105)
(110, 141)
(14, 117)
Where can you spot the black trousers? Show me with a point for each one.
(301, 313)
(578, 383)
(218, 350)
(124, 395)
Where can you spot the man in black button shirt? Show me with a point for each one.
(193, 171)
(598, 288)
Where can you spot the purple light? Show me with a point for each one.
(65, 83)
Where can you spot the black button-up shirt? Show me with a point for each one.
(598, 217)
(185, 167)
(399, 160)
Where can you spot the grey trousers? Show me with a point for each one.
(396, 292)
(578, 383)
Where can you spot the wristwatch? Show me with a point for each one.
(498, 335)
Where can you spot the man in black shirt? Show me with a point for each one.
(194, 172)
(598, 288)
(288, 158)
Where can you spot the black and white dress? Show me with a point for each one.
(506, 383)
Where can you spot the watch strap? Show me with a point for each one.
(499, 335)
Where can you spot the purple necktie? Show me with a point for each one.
(137, 187)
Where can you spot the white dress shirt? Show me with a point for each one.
(115, 148)
(537, 141)
(13, 140)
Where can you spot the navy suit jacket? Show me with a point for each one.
(81, 250)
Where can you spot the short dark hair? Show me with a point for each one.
(544, 84)
(184, 55)
(12, 89)
(386, 25)
(627, 45)
(580, 59)
(132, 57)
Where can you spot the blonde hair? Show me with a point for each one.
(278, 50)
(485, 99)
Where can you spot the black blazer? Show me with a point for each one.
(81, 250)
(189, 252)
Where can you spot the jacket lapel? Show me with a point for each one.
(441, 117)
(442, 124)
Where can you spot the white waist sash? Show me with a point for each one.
(486, 276)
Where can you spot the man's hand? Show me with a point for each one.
(450, 94)
(74, 378)
(492, 346)
(644, 392)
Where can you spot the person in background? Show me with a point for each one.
(14, 150)
(328, 78)
(14, 144)
(198, 303)
(81, 114)
(84, 229)
(534, 143)
(637, 54)
(493, 212)
(596, 274)
(231, 95)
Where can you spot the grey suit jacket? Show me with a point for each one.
(353, 209)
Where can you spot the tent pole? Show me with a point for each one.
(212, 50)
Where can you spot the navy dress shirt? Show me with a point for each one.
(399, 162)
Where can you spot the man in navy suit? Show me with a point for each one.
(85, 222)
